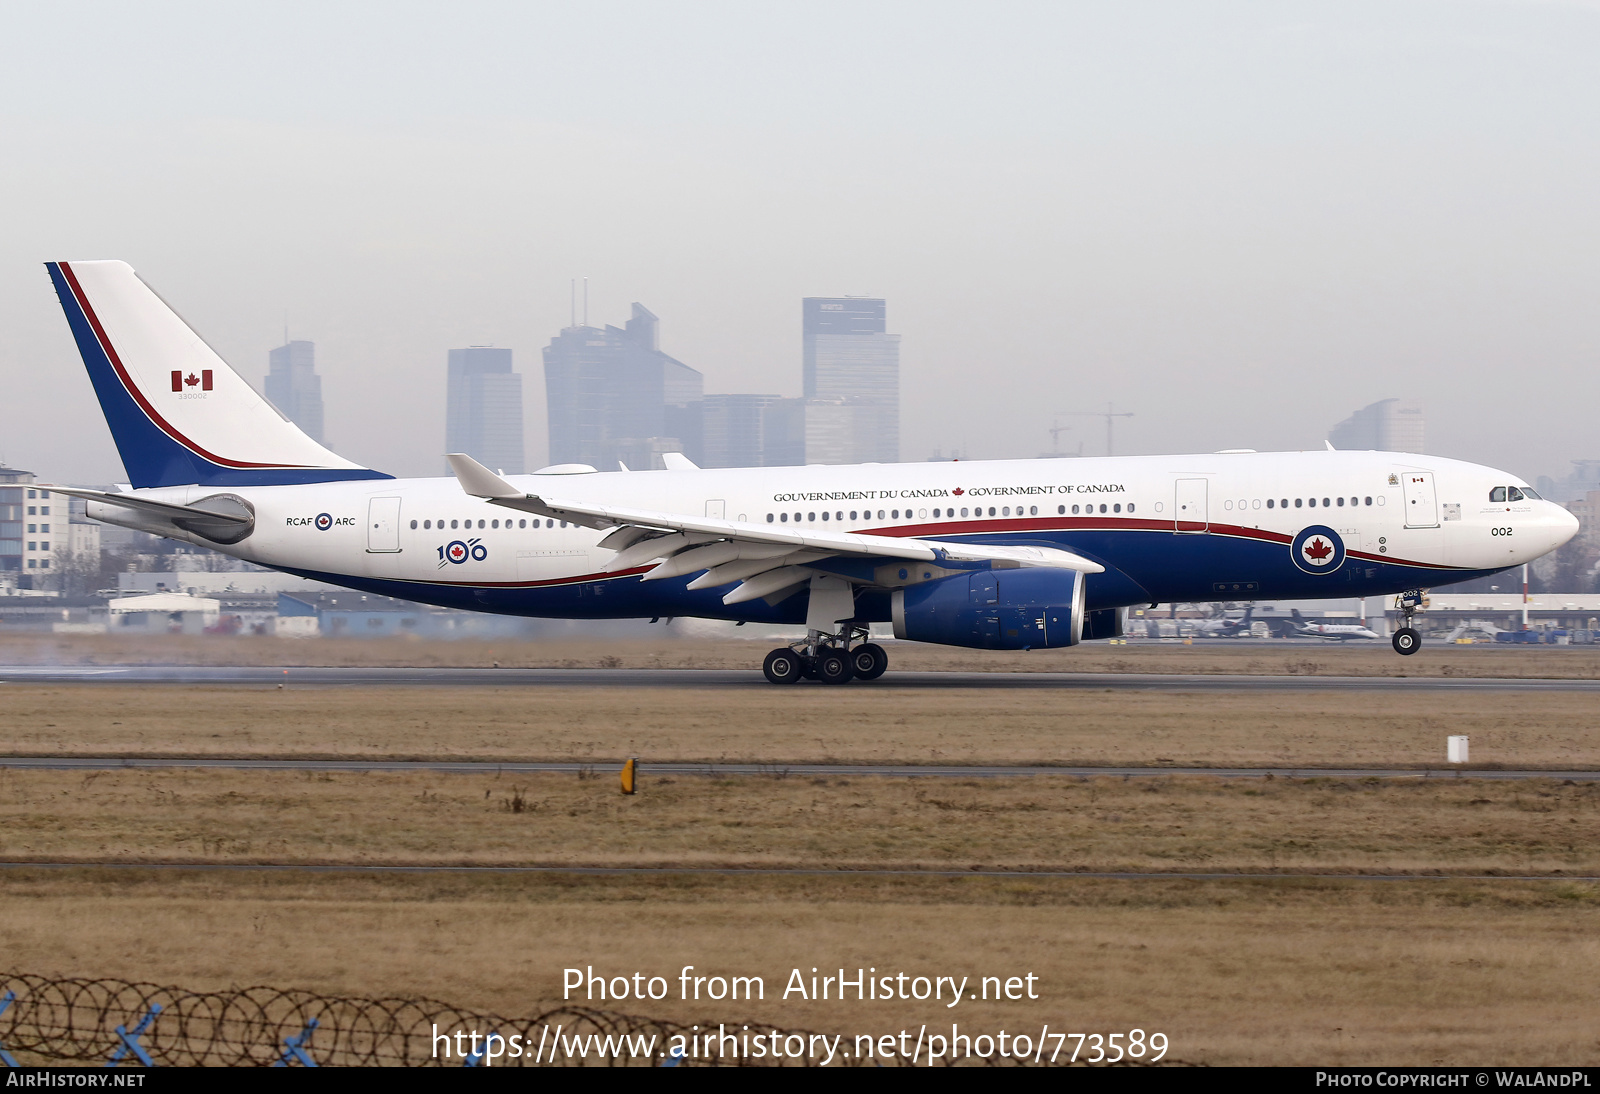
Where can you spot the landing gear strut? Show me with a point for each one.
(1406, 640)
(827, 658)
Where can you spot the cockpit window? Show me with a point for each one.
(1498, 494)
(1516, 495)
(1530, 495)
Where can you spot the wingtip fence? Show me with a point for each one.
(50, 1020)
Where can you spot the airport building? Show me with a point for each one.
(483, 409)
(614, 397)
(1388, 425)
(294, 387)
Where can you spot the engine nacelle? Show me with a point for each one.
(1027, 608)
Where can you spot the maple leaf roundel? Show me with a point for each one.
(1317, 550)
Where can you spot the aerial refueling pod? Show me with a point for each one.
(1026, 608)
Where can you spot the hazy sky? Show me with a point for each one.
(1240, 221)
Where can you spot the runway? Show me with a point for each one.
(724, 679)
(780, 871)
(778, 771)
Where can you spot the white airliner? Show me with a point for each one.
(1016, 554)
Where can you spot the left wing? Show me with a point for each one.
(766, 561)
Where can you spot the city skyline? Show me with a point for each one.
(1064, 205)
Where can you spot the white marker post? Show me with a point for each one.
(1456, 750)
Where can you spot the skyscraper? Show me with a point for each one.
(294, 387)
(734, 430)
(1386, 426)
(483, 410)
(851, 375)
(614, 396)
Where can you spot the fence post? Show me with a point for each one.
(296, 1047)
(130, 1041)
(6, 1057)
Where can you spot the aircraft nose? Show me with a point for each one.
(1565, 525)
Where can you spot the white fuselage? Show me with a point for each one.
(1427, 516)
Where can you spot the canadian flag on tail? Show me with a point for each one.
(180, 382)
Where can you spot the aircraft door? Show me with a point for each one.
(383, 526)
(717, 509)
(1422, 503)
(1189, 506)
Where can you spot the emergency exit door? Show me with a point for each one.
(1189, 506)
(717, 509)
(383, 526)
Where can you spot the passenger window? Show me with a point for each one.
(921, 513)
(1498, 494)
(452, 524)
(494, 524)
(1074, 510)
(1116, 508)
(1341, 501)
(991, 510)
(1061, 510)
(1033, 510)
(1130, 507)
(824, 514)
(522, 523)
(1297, 503)
(852, 514)
(1102, 507)
(427, 524)
(786, 518)
(1269, 503)
(1326, 502)
(413, 524)
(1516, 495)
(1369, 501)
(769, 518)
(811, 517)
(963, 511)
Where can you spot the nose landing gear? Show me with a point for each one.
(827, 658)
(1406, 640)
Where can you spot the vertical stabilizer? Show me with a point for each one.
(178, 413)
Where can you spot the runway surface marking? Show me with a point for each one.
(783, 871)
(751, 678)
(776, 770)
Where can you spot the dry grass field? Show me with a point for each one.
(1080, 726)
(1288, 970)
(1282, 658)
(1306, 972)
(1470, 826)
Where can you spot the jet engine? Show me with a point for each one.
(1026, 608)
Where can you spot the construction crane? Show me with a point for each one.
(1110, 414)
(1055, 432)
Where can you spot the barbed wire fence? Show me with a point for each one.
(51, 1020)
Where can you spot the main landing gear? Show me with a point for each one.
(1406, 640)
(827, 659)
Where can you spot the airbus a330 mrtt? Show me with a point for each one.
(1002, 555)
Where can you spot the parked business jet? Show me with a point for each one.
(1301, 627)
(1014, 555)
(1227, 628)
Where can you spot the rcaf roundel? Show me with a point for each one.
(1317, 550)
